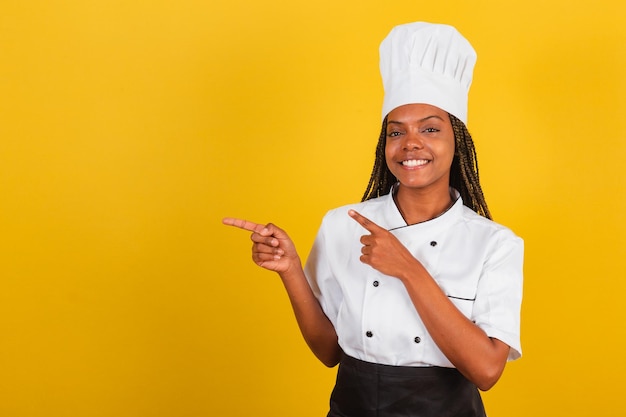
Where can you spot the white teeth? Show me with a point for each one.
(414, 162)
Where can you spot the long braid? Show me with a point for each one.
(382, 179)
(463, 172)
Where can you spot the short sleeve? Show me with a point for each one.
(321, 280)
(499, 294)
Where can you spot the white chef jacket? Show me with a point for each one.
(475, 261)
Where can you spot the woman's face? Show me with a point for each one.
(420, 146)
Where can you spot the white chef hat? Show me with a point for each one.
(427, 63)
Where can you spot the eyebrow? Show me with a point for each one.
(419, 121)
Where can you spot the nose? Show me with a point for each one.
(412, 141)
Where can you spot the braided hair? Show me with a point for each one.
(463, 172)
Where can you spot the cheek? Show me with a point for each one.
(447, 149)
(389, 151)
(449, 152)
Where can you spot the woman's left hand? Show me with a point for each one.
(382, 250)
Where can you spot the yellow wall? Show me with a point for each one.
(128, 129)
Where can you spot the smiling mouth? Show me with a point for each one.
(415, 162)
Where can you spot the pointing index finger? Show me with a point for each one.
(364, 221)
(244, 224)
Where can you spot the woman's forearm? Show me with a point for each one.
(477, 356)
(316, 328)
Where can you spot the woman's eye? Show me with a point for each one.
(431, 130)
(393, 134)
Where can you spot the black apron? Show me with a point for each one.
(365, 389)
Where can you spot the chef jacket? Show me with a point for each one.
(475, 261)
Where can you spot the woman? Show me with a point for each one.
(415, 292)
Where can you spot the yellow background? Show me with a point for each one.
(128, 129)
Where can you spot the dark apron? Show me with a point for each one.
(365, 389)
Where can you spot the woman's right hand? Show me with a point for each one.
(272, 248)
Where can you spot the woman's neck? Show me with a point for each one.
(418, 206)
